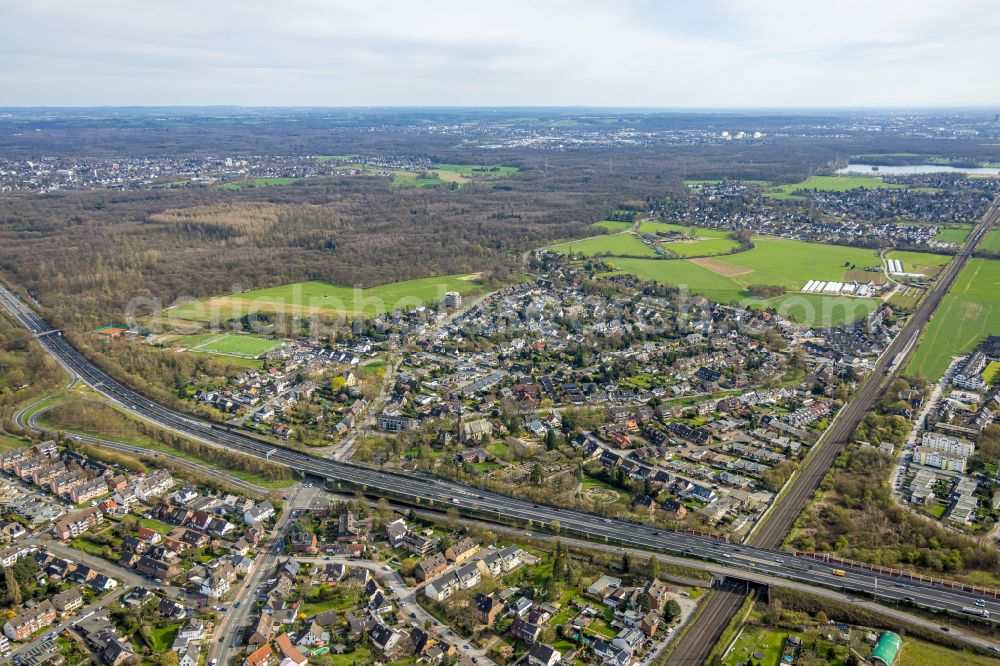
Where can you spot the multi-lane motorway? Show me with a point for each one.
(752, 560)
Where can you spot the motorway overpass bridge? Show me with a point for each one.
(699, 550)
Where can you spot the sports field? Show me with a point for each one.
(787, 263)
(829, 183)
(618, 245)
(967, 314)
(325, 298)
(239, 345)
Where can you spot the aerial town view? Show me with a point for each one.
(513, 335)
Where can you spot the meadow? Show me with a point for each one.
(967, 314)
(991, 241)
(787, 263)
(259, 182)
(612, 225)
(325, 298)
(829, 183)
(709, 241)
(618, 245)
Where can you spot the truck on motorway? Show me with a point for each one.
(980, 612)
(839, 572)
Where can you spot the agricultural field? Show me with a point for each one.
(967, 314)
(324, 298)
(920, 262)
(259, 182)
(787, 263)
(956, 234)
(616, 245)
(829, 183)
(906, 298)
(990, 242)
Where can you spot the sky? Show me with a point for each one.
(617, 53)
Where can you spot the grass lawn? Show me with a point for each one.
(613, 225)
(968, 313)
(361, 655)
(756, 639)
(921, 653)
(591, 482)
(81, 543)
(325, 298)
(615, 245)
(992, 372)
(831, 184)
(990, 242)
(158, 525)
(8, 442)
(259, 182)
(497, 449)
(374, 366)
(240, 345)
(163, 637)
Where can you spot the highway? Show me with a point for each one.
(789, 506)
(757, 563)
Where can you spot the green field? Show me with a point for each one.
(613, 225)
(7, 442)
(991, 373)
(920, 262)
(967, 314)
(955, 235)
(259, 182)
(325, 298)
(239, 345)
(417, 180)
(829, 183)
(990, 242)
(697, 232)
(615, 245)
(787, 263)
(702, 248)
(478, 170)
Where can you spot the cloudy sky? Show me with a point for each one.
(667, 53)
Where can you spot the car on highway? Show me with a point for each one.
(839, 572)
